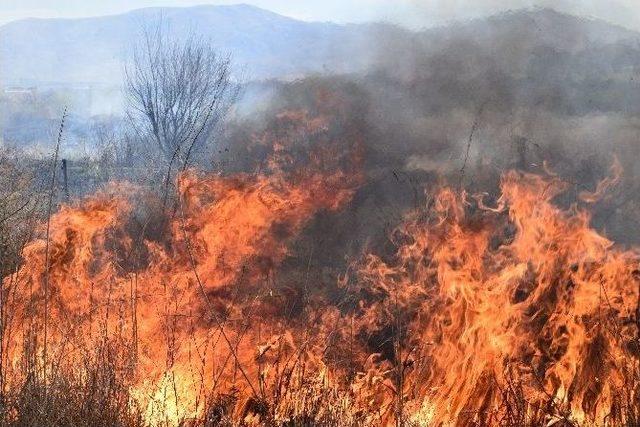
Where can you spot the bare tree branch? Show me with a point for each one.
(178, 91)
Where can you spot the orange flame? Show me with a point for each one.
(514, 315)
(180, 312)
(534, 311)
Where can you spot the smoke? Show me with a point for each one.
(420, 14)
(338, 232)
(534, 90)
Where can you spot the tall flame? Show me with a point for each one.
(177, 309)
(522, 312)
(518, 314)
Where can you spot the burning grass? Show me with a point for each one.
(514, 312)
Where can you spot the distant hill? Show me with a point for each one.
(267, 45)
(263, 43)
(536, 57)
(532, 57)
(513, 38)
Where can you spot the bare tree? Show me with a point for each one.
(178, 90)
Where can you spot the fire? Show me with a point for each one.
(508, 315)
(176, 310)
(173, 309)
(520, 315)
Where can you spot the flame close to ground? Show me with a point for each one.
(489, 316)
(520, 310)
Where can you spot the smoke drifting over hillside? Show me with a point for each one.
(537, 91)
(443, 235)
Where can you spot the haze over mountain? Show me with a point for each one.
(265, 44)
(535, 58)
(268, 45)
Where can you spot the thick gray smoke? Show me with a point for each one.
(519, 90)
(536, 91)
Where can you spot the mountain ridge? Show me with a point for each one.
(271, 45)
(268, 45)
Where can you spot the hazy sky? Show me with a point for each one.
(413, 13)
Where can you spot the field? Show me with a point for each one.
(447, 238)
